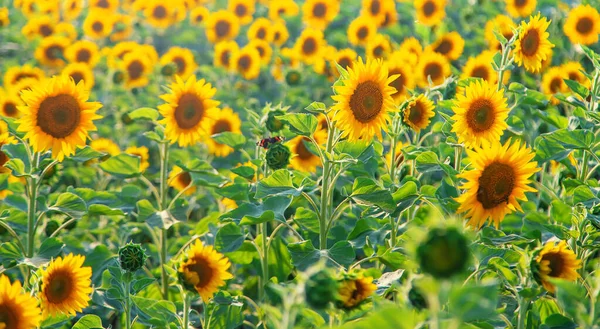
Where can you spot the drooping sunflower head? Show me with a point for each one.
(142, 152)
(66, 286)
(480, 114)
(532, 45)
(247, 62)
(242, 9)
(183, 59)
(181, 180)
(225, 120)
(204, 270)
(50, 51)
(225, 51)
(9, 103)
(553, 83)
(364, 100)
(430, 12)
(303, 159)
(222, 25)
(443, 253)
(451, 45)
(310, 45)
(57, 116)
(499, 179)
(583, 25)
(353, 290)
(80, 72)
(83, 51)
(520, 8)
(432, 66)
(418, 112)
(18, 310)
(199, 15)
(98, 24)
(361, 30)
(502, 24)
(319, 13)
(555, 261)
(189, 104)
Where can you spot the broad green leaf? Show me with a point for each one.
(366, 192)
(249, 213)
(474, 302)
(70, 204)
(278, 183)
(86, 154)
(388, 317)
(122, 166)
(89, 321)
(229, 238)
(577, 88)
(342, 253)
(304, 254)
(231, 139)
(316, 107)
(224, 312)
(17, 167)
(155, 311)
(558, 321)
(142, 113)
(300, 123)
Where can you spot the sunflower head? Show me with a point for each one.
(556, 261)
(319, 13)
(141, 152)
(278, 156)
(303, 158)
(132, 257)
(354, 289)
(364, 100)
(444, 253)
(361, 30)
(583, 25)
(430, 12)
(18, 310)
(225, 120)
(451, 45)
(418, 112)
(520, 8)
(432, 66)
(204, 270)
(532, 46)
(66, 286)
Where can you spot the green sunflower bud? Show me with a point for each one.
(118, 77)
(168, 69)
(51, 227)
(273, 124)
(416, 299)
(321, 289)
(132, 257)
(293, 78)
(126, 119)
(278, 156)
(444, 253)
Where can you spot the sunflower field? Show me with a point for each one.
(283, 164)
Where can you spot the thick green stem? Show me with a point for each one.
(523, 305)
(264, 262)
(457, 157)
(325, 211)
(584, 166)
(164, 163)
(31, 218)
(186, 310)
(127, 300)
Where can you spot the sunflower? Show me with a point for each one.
(583, 25)
(180, 180)
(199, 15)
(205, 270)
(375, 10)
(319, 13)
(345, 58)
(222, 25)
(411, 49)
(418, 112)
(404, 82)
(398, 155)
(224, 120)
(111, 5)
(122, 27)
(480, 114)
(378, 46)
(390, 15)
(18, 310)
(141, 152)
(116, 54)
(14, 74)
(40, 26)
(24, 84)
(574, 71)
(520, 8)
(182, 58)
(72, 9)
(354, 291)
(66, 30)
(242, 9)
(451, 45)
(50, 51)
(225, 51)
(57, 116)
(481, 67)
(430, 12)
(247, 62)
(105, 145)
(4, 19)
(553, 83)
(5, 139)
(261, 28)
(137, 68)
(556, 261)
(499, 178)
(280, 8)
(189, 104)
(533, 46)
(310, 45)
(159, 14)
(264, 49)
(361, 30)
(502, 24)
(280, 33)
(434, 66)
(66, 286)
(364, 100)
(80, 72)
(98, 24)
(9, 103)
(302, 157)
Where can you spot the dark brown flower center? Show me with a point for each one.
(530, 43)
(22, 76)
(203, 269)
(556, 263)
(59, 116)
(319, 10)
(429, 8)
(585, 25)
(103, 4)
(46, 30)
(83, 55)
(433, 70)
(8, 316)
(480, 116)
(221, 126)
(240, 10)
(480, 72)
(10, 109)
(378, 51)
(180, 62)
(60, 287)
(366, 102)
(222, 29)
(495, 185)
(159, 12)
(77, 76)
(261, 33)
(375, 7)
(184, 179)
(417, 113)
(189, 111)
(309, 46)
(135, 70)
(520, 3)
(398, 83)
(444, 47)
(54, 52)
(244, 62)
(345, 62)
(3, 160)
(556, 85)
(97, 26)
(302, 151)
(225, 55)
(362, 32)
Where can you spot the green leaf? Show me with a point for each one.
(17, 151)
(250, 213)
(577, 88)
(558, 321)
(17, 167)
(70, 204)
(300, 123)
(342, 252)
(122, 166)
(278, 183)
(154, 311)
(474, 302)
(230, 139)
(501, 267)
(51, 247)
(427, 162)
(304, 254)
(143, 113)
(229, 238)
(89, 322)
(86, 154)
(10, 254)
(224, 312)
(366, 192)
(316, 107)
